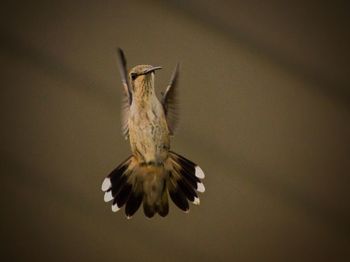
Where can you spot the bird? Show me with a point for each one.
(152, 172)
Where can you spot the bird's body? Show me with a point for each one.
(152, 171)
(148, 130)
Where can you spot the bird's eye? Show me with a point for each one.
(133, 76)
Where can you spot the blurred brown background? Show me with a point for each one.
(265, 109)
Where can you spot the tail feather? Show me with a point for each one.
(163, 207)
(123, 195)
(133, 203)
(188, 171)
(187, 190)
(135, 198)
(117, 185)
(131, 184)
(148, 210)
(178, 197)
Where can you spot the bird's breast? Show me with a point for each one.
(148, 132)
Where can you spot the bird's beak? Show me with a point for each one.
(153, 68)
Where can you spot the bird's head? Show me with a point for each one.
(142, 78)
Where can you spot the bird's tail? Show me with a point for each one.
(132, 184)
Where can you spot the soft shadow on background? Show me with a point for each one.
(265, 109)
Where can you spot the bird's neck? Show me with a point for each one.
(145, 92)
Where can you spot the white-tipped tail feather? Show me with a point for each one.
(106, 184)
(108, 196)
(199, 173)
(200, 187)
(196, 201)
(115, 208)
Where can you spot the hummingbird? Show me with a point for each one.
(152, 172)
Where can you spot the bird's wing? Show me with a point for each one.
(170, 103)
(127, 96)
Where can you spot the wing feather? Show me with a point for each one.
(170, 102)
(127, 97)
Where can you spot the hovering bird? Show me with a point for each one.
(153, 171)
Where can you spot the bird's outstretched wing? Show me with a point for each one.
(127, 97)
(169, 101)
